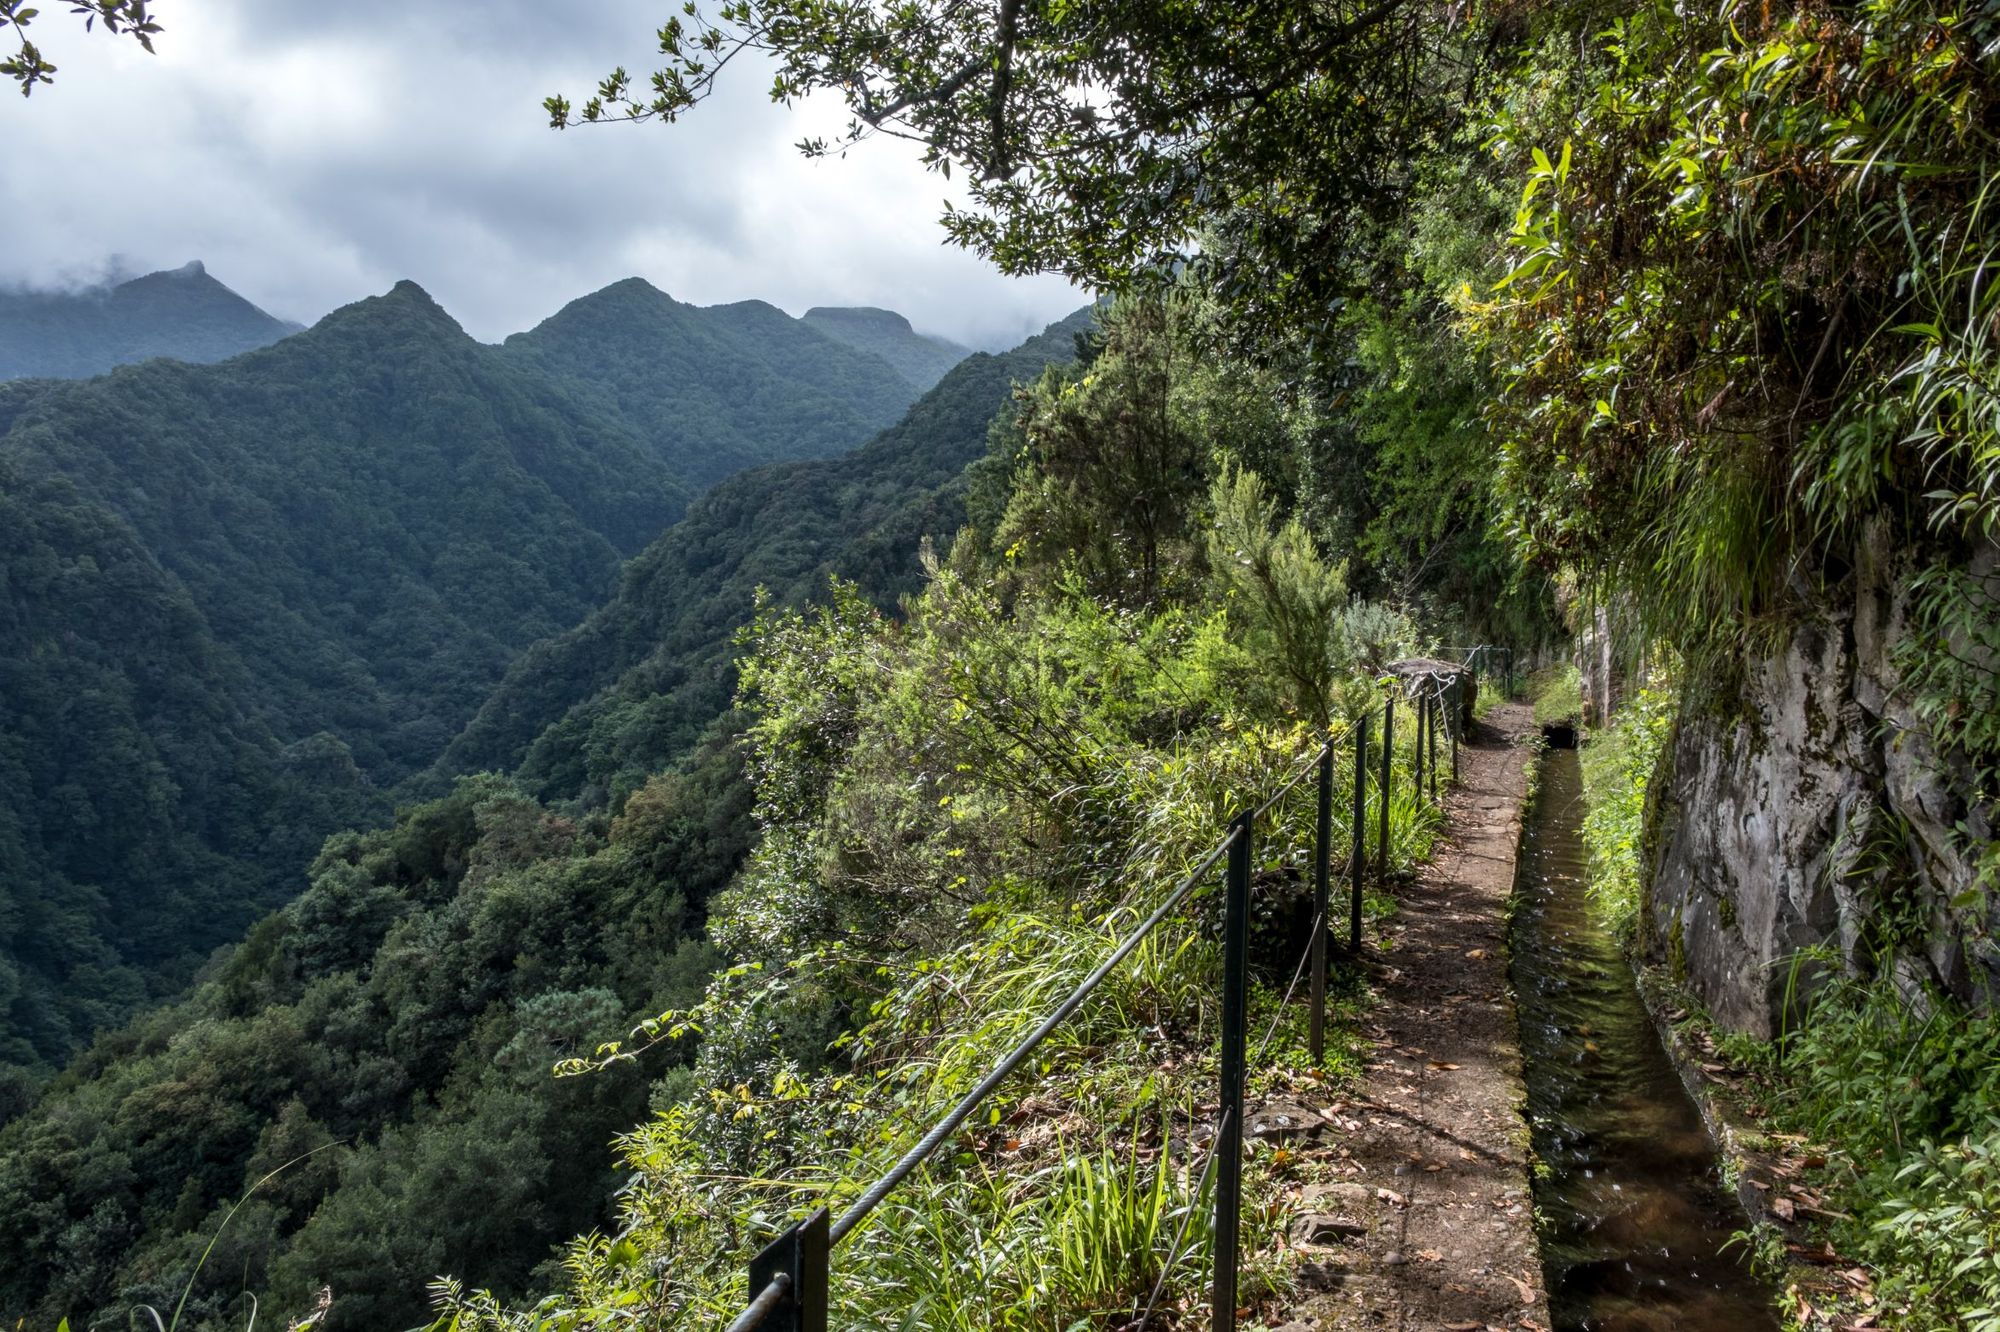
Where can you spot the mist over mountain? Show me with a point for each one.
(183, 313)
(921, 358)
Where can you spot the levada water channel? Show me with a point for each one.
(1633, 1215)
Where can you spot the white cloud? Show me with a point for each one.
(315, 153)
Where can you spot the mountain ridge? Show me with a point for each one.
(182, 313)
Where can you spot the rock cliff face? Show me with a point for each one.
(1806, 807)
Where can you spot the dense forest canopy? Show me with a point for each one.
(593, 711)
(246, 600)
(719, 389)
(380, 1015)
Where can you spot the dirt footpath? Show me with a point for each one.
(1424, 1220)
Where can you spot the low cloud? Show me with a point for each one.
(313, 154)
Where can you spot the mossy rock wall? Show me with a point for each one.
(1806, 806)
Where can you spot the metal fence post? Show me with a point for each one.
(1384, 785)
(1358, 836)
(1235, 1036)
(1322, 898)
(800, 1255)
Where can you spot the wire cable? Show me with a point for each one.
(959, 1113)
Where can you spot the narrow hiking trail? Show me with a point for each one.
(1426, 1220)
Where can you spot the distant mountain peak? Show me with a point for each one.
(919, 358)
(630, 287)
(859, 314)
(183, 313)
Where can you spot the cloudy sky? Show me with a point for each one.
(312, 152)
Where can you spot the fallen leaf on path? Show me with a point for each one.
(1527, 1291)
(1783, 1210)
(1393, 1198)
(1443, 1065)
(1476, 954)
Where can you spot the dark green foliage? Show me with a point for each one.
(240, 599)
(920, 358)
(399, 1019)
(183, 313)
(592, 711)
(403, 1015)
(29, 68)
(713, 391)
(146, 816)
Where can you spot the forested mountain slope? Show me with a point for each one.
(920, 358)
(144, 807)
(373, 515)
(715, 390)
(603, 704)
(240, 595)
(183, 313)
(399, 1018)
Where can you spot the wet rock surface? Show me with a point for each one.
(1802, 791)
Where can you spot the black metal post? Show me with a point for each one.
(1235, 1035)
(1384, 786)
(799, 1255)
(1358, 835)
(1322, 898)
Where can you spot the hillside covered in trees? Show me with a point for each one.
(400, 1017)
(717, 389)
(919, 357)
(246, 600)
(1659, 334)
(181, 313)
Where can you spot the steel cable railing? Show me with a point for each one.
(789, 1278)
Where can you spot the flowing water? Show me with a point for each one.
(1633, 1214)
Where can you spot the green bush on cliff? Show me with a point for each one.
(1620, 764)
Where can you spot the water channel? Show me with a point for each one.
(1633, 1214)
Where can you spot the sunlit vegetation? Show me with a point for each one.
(962, 809)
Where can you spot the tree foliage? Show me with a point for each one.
(29, 68)
(1107, 139)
